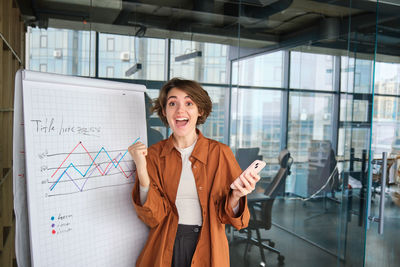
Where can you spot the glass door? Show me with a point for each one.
(383, 201)
(369, 139)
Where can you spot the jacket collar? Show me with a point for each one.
(200, 151)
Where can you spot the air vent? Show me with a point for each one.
(125, 56)
(57, 53)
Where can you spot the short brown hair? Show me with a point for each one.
(199, 96)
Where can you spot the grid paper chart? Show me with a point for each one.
(80, 175)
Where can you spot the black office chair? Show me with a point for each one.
(246, 156)
(261, 211)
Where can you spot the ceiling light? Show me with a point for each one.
(132, 70)
(188, 56)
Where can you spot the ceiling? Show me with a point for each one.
(261, 24)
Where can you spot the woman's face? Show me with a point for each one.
(181, 113)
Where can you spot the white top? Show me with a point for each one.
(187, 200)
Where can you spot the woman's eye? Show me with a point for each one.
(171, 104)
(189, 104)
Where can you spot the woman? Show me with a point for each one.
(183, 188)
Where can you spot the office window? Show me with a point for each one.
(110, 44)
(386, 125)
(309, 122)
(43, 41)
(353, 110)
(309, 119)
(262, 70)
(68, 52)
(202, 69)
(149, 52)
(387, 78)
(311, 71)
(356, 75)
(216, 119)
(257, 122)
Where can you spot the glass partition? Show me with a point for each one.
(119, 54)
(317, 80)
(311, 71)
(68, 52)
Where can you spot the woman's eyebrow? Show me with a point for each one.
(172, 96)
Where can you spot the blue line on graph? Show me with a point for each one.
(83, 175)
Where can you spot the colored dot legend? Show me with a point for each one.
(52, 218)
(53, 225)
(53, 232)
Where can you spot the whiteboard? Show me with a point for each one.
(79, 175)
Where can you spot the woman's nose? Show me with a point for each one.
(181, 107)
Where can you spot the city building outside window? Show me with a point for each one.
(43, 41)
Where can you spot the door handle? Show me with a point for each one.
(383, 190)
(380, 218)
(369, 190)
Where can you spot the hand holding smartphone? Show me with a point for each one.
(255, 167)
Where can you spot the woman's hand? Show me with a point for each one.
(138, 153)
(249, 181)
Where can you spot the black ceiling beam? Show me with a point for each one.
(334, 30)
(188, 25)
(366, 5)
(25, 6)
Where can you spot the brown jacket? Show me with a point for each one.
(214, 168)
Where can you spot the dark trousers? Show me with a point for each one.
(185, 245)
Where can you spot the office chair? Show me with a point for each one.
(246, 156)
(261, 211)
(323, 177)
(322, 162)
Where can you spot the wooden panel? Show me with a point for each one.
(7, 195)
(2, 67)
(6, 7)
(8, 254)
(13, 30)
(6, 206)
(2, 204)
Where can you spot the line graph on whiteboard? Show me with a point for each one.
(80, 170)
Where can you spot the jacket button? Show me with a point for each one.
(194, 167)
(200, 188)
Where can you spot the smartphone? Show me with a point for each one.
(255, 167)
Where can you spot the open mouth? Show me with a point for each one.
(181, 122)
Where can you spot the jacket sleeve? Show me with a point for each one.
(227, 172)
(157, 206)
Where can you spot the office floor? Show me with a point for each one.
(296, 251)
(318, 222)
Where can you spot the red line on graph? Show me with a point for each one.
(66, 158)
(97, 166)
(122, 169)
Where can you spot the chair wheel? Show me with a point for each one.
(281, 259)
(272, 244)
(262, 264)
